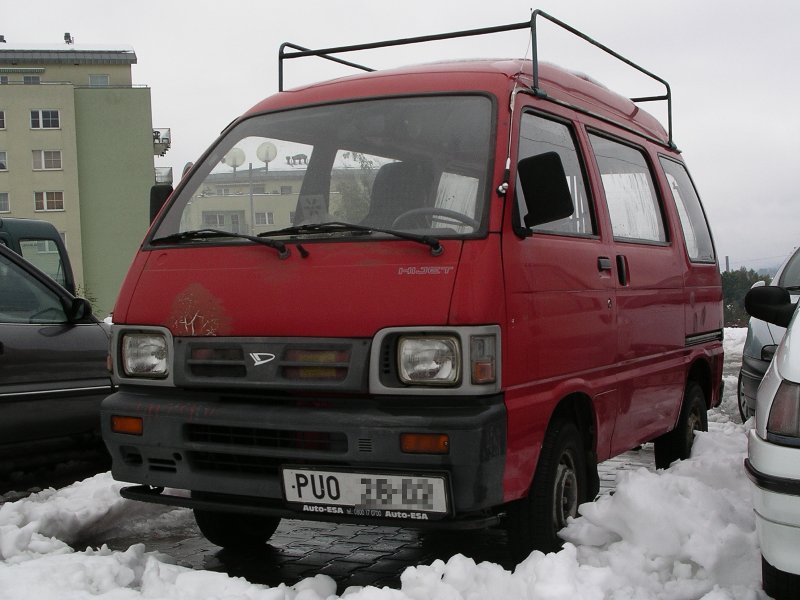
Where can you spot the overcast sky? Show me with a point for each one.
(732, 67)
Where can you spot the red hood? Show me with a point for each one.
(341, 289)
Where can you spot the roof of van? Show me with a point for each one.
(497, 76)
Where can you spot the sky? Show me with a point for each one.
(729, 63)
(684, 532)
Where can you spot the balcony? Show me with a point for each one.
(162, 140)
(164, 175)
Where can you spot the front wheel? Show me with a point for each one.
(235, 531)
(560, 485)
(677, 444)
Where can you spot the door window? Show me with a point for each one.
(630, 194)
(24, 299)
(44, 254)
(539, 136)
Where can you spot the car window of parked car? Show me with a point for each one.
(24, 299)
(633, 204)
(696, 232)
(790, 276)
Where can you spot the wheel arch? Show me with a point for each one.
(700, 371)
(577, 408)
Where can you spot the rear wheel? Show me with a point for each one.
(235, 531)
(560, 485)
(677, 444)
(778, 584)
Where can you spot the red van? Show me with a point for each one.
(431, 296)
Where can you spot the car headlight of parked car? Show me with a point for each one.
(429, 360)
(145, 355)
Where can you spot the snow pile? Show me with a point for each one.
(686, 532)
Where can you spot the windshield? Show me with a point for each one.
(416, 165)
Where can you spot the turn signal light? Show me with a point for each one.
(127, 425)
(425, 443)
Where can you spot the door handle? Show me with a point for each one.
(603, 263)
(622, 269)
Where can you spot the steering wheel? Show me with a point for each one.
(436, 212)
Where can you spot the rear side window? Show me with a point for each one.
(699, 246)
(632, 201)
(539, 136)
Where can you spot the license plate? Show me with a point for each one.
(382, 495)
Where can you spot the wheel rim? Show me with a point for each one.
(565, 491)
(694, 422)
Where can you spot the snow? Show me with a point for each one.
(685, 532)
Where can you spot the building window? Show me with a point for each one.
(45, 119)
(98, 80)
(2, 119)
(265, 218)
(44, 201)
(31, 79)
(5, 204)
(286, 189)
(259, 188)
(46, 160)
(3, 79)
(3, 162)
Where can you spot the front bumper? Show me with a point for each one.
(775, 473)
(229, 450)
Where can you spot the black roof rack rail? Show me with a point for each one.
(326, 53)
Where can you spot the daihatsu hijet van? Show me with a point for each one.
(433, 296)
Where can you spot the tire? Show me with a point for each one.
(744, 411)
(235, 531)
(778, 584)
(677, 444)
(560, 485)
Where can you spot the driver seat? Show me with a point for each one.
(398, 188)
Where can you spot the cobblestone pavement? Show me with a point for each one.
(354, 555)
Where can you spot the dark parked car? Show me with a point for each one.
(763, 339)
(53, 353)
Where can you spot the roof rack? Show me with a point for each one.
(295, 51)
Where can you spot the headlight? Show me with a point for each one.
(783, 425)
(145, 355)
(424, 360)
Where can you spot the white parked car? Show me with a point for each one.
(773, 462)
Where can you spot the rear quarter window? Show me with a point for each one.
(696, 233)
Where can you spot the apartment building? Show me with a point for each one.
(76, 149)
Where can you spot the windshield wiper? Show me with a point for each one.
(340, 226)
(198, 234)
(792, 288)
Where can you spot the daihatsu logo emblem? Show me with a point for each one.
(261, 358)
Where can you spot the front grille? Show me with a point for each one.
(254, 437)
(273, 363)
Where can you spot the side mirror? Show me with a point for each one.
(158, 196)
(544, 184)
(78, 309)
(771, 304)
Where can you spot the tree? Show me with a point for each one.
(735, 285)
